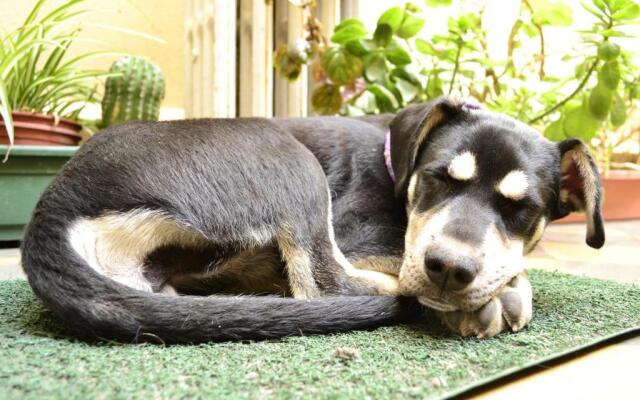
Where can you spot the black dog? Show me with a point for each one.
(306, 208)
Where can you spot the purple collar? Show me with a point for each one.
(387, 156)
(471, 104)
(468, 104)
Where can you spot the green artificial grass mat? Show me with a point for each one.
(38, 361)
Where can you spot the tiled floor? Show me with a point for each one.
(607, 373)
(10, 264)
(563, 248)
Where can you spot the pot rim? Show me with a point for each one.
(47, 117)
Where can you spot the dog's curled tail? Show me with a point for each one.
(95, 307)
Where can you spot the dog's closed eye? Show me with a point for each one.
(517, 213)
(439, 179)
(442, 174)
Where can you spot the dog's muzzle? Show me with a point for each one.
(447, 273)
(450, 271)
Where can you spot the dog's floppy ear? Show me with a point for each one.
(409, 129)
(580, 189)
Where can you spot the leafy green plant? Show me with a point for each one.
(34, 74)
(607, 79)
(363, 73)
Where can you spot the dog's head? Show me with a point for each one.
(480, 189)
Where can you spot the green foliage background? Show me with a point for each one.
(366, 72)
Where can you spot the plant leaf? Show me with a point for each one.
(348, 32)
(385, 100)
(396, 54)
(614, 33)
(608, 51)
(341, 66)
(407, 90)
(326, 99)
(361, 47)
(630, 12)
(375, 67)
(410, 26)
(434, 87)
(555, 130)
(348, 23)
(609, 74)
(407, 75)
(600, 4)
(424, 47)
(554, 14)
(595, 12)
(600, 101)
(579, 123)
(438, 3)
(618, 111)
(382, 35)
(5, 112)
(392, 17)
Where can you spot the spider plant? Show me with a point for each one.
(34, 74)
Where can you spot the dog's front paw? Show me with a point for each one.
(511, 310)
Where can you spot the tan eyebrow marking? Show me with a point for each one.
(463, 166)
(514, 185)
(537, 234)
(411, 191)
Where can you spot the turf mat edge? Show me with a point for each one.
(544, 363)
(418, 361)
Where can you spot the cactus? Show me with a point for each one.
(133, 95)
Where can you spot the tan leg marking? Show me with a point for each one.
(299, 268)
(385, 284)
(386, 264)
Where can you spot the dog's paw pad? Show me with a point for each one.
(485, 322)
(511, 307)
(517, 307)
(511, 310)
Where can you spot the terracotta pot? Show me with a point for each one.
(40, 129)
(621, 197)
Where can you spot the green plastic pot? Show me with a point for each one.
(23, 178)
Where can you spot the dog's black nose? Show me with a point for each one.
(450, 272)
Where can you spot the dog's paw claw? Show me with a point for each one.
(510, 310)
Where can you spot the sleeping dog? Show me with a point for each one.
(153, 230)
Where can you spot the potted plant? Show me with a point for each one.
(42, 93)
(39, 94)
(358, 72)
